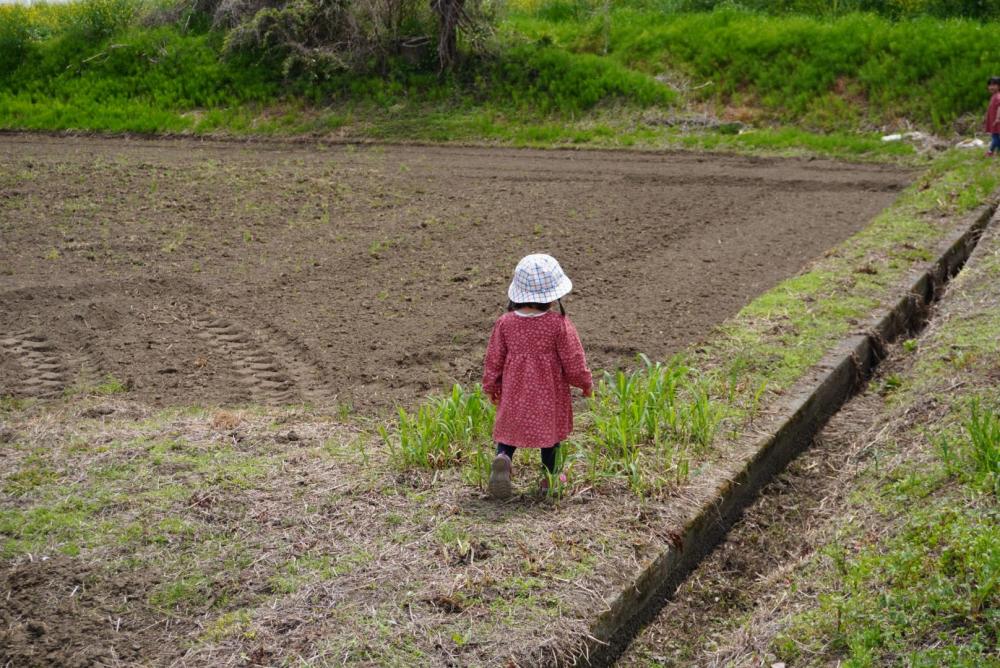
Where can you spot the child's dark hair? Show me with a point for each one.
(513, 306)
(993, 81)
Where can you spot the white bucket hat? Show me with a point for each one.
(538, 279)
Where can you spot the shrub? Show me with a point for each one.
(15, 37)
(550, 79)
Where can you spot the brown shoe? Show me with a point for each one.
(500, 487)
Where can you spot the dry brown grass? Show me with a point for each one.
(226, 420)
(285, 535)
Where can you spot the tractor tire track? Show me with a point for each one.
(258, 370)
(310, 373)
(164, 339)
(44, 371)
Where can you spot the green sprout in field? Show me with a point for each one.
(445, 432)
(644, 427)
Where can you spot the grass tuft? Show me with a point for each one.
(445, 432)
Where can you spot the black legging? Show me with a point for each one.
(548, 455)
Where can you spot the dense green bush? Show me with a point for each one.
(15, 38)
(551, 79)
(160, 66)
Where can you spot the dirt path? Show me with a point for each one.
(222, 273)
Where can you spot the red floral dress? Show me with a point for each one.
(530, 364)
(992, 124)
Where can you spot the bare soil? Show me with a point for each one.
(222, 273)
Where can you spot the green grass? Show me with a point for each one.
(612, 126)
(894, 9)
(308, 568)
(228, 625)
(126, 76)
(188, 591)
(109, 385)
(924, 597)
(975, 452)
(58, 512)
(820, 73)
(119, 66)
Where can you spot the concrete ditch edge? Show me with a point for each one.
(800, 414)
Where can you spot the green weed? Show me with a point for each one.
(379, 246)
(33, 472)
(975, 453)
(937, 578)
(983, 428)
(190, 591)
(10, 404)
(442, 433)
(59, 526)
(648, 423)
(229, 625)
(830, 73)
(109, 385)
(293, 574)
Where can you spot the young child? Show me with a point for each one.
(533, 357)
(993, 116)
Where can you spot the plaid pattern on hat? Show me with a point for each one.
(538, 279)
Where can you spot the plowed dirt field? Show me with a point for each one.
(220, 273)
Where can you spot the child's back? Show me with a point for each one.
(538, 358)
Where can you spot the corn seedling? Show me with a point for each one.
(558, 481)
(445, 432)
(646, 423)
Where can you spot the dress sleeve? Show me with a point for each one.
(496, 355)
(573, 359)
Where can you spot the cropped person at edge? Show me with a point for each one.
(992, 124)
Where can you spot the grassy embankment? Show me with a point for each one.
(911, 573)
(561, 73)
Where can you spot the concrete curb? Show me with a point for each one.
(800, 414)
